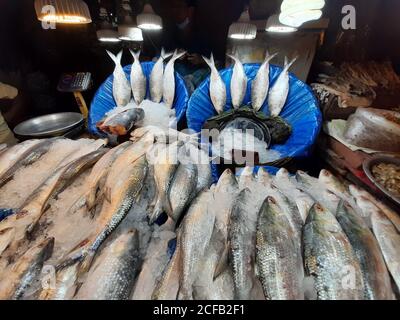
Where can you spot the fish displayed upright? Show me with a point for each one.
(113, 272)
(303, 201)
(242, 231)
(197, 228)
(238, 83)
(28, 156)
(330, 259)
(279, 92)
(389, 242)
(156, 77)
(169, 79)
(217, 86)
(124, 194)
(376, 279)
(138, 79)
(165, 165)
(25, 271)
(278, 256)
(96, 180)
(122, 91)
(183, 187)
(260, 84)
(26, 220)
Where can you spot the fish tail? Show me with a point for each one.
(233, 57)
(86, 262)
(165, 55)
(112, 56)
(210, 62)
(289, 64)
(178, 55)
(135, 55)
(269, 57)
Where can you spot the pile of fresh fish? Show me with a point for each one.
(139, 111)
(143, 221)
(239, 118)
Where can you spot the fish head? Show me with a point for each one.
(227, 182)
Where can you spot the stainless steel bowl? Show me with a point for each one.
(50, 125)
(369, 163)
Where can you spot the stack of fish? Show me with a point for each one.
(131, 107)
(276, 97)
(89, 234)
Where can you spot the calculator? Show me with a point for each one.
(75, 82)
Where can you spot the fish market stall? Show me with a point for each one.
(221, 163)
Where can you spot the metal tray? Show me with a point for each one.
(50, 125)
(369, 163)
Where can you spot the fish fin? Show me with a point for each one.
(86, 263)
(232, 57)
(156, 211)
(107, 194)
(289, 64)
(165, 55)
(168, 206)
(119, 56)
(210, 62)
(179, 55)
(222, 263)
(112, 56)
(269, 57)
(78, 204)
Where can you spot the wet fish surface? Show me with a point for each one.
(217, 86)
(238, 83)
(122, 91)
(138, 79)
(156, 77)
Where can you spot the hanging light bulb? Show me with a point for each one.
(128, 30)
(65, 11)
(106, 31)
(148, 20)
(243, 29)
(274, 25)
(296, 12)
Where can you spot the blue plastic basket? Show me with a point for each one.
(103, 100)
(301, 110)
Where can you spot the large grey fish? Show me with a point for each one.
(242, 232)
(330, 259)
(183, 187)
(197, 228)
(313, 187)
(96, 180)
(26, 220)
(389, 241)
(169, 80)
(155, 262)
(260, 84)
(156, 77)
(303, 201)
(238, 83)
(376, 279)
(217, 86)
(279, 92)
(138, 79)
(113, 272)
(120, 123)
(121, 88)
(26, 270)
(168, 287)
(124, 194)
(278, 256)
(165, 164)
(368, 204)
(30, 155)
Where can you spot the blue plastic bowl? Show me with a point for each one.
(301, 110)
(103, 100)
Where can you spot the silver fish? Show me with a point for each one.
(121, 87)
(303, 201)
(183, 186)
(138, 79)
(238, 83)
(260, 84)
(217, 86)
(389, 241)
(156, 77)
(113, 272)
(376, 279)
(242, 231)
(280, 90)
(29, 156)
(165, 165)
(330, 259)
(121, 123)
(169, 80)
(263, 177)
(197, 228)
(278, 256)
(26, 270)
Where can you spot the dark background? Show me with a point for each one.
(32, 58)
